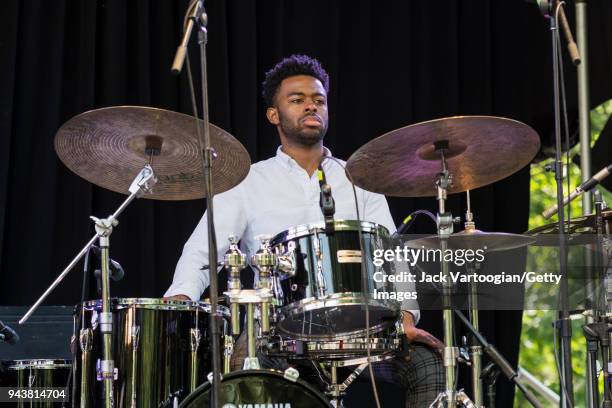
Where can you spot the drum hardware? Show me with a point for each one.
(321, 287)
(265, 262)
(489, 376)
(235, 261)
(195, 337)
(86, 344)
(104, 227)
(228, 350)
(135, 337)
(499, 360)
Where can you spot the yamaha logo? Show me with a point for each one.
(264, 405)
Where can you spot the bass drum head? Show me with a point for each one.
(258, 388)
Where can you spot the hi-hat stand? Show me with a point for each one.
(104, 228)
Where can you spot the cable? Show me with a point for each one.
(364, 280)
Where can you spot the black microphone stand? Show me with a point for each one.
(563, 322)
(198, 16)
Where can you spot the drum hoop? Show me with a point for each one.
(155, 304)
(266, 373)
(339, 225)
(39, 364)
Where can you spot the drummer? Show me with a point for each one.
(283, 191)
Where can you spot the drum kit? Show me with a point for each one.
(308, 302)
(312, 296)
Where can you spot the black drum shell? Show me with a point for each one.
(340, 312)
(162, 356)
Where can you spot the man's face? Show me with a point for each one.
(300, 110)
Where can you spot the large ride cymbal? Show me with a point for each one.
(108, 147)
(481, 150)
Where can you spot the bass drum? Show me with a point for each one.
(259, 388)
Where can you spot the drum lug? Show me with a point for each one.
(106, 369)
(209, 377)
(135, 337)
(287, 261)
(251, 363)
(85, 336)
(291, 374)
(196, 336)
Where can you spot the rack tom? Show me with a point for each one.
(322, 292)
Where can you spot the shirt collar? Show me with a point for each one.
(288, 161)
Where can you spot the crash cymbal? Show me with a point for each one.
(475, 239)
(581, 231)
(108, 147)
(481, 150)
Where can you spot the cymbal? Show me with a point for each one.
(107, 147)
(481, 150)
(581, 230)
(475, 239)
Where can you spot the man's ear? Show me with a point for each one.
(272, 115)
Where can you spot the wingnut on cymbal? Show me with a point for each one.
(109, 146)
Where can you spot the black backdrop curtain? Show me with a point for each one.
(392, 63)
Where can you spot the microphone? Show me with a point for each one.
(115, 268)
(547, 8)
(7, 334)
(581, 189)
(326, 201)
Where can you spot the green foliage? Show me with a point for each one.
(537, 354)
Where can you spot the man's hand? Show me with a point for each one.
(416, 335)
(178, 297)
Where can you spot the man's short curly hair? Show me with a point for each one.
(294, 65)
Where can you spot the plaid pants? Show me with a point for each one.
(420, 373)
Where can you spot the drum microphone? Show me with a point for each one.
(326, 201)
(115, 268)
(581, 189)
(7, 334)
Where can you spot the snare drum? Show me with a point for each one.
(259, 388)
(160, 349)
(42, 374)
(323, 297)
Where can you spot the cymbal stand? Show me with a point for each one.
(445, 229)
(598, 333)
(475, 348)
(104, 228)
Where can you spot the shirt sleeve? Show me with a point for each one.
(230, 219)
(376, 209)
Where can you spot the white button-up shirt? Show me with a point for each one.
(276, 195)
